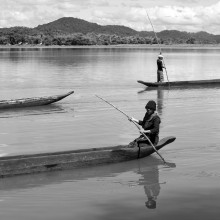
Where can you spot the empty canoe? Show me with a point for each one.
(30, 102)
(27, 164)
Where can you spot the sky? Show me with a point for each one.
(182, 15)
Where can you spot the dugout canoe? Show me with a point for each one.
(35, 163)
(145, 168)
(31, 102)
(193, 83)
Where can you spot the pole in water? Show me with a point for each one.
(135, 125)
(167, 75)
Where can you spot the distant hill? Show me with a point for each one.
(204, 36)
(200, 37)
(114, 34)
(69, 25)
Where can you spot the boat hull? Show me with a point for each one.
(31, 102)
(193, 83)
(27, 164)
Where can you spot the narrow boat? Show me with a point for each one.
(35, 163)
(30, 102)
(145, 169)
(193, 83)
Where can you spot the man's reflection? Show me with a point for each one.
(160, 94)
(152, 191)
(150, 180)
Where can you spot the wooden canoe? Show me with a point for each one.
(193, 83)
(27, 164)
(30, 102)
(145, 168)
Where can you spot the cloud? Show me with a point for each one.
(166, 14)
(184, 17)
(102, 3)
(191, 19)
(33, 13)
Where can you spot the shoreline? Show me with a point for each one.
(144, 46)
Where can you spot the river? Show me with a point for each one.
(120, 191)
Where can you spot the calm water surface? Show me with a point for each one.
(189, 190)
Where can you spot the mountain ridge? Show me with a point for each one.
(86, 27)
(67, 26)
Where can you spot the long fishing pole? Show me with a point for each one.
(134, 124)
(158, 45)
(154, 31)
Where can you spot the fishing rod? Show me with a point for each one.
(158, 45)
(154, 32)
(129, 118)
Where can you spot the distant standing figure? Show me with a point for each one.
(160, 67)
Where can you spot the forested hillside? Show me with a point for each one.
(74, 31)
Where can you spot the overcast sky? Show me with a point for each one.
(183, 15)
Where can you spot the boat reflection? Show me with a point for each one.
(147, 168)
(37, 110)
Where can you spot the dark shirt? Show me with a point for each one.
(159, 65)
(151, 123)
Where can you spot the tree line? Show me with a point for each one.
(18, 38)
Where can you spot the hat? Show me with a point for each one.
(160, 56)
(151, 105)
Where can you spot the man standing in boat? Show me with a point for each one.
(160, 66)
(150, 124)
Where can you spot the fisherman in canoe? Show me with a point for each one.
(160, 67)
(150, 124)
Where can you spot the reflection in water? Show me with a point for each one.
(151, 187)
(160, 96)
(37, 110)
(150, 181)
(75, 186)
(146, 167)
